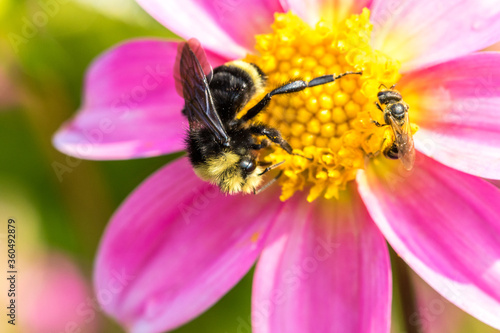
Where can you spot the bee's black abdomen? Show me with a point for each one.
(232, 88)
(200, 145)
(392, 152)
(262, 75)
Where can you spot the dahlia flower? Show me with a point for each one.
(319, 237)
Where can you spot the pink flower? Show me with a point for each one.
(54, 297)
(323, 266)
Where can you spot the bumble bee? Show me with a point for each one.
(396, 115)
(221, 147)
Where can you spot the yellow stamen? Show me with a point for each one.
(330, 123)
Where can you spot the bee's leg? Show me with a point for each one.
(263, 144)
(272, 134)
(272, 181)
(275, 136)
(375, 154)
(292, 87)
(269, 168)
(378, 124)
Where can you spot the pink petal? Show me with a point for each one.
(324, 269)
(176, 246)
(457, 107)
(332, 11)
(421, 33)
(446, 225)
(225, 27)
(130, 108)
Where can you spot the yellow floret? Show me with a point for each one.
(332, 124)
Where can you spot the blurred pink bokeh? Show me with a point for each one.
(56, 297)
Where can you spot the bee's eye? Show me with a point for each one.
(248, 165)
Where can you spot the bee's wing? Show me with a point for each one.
(192, 74)
(404, 142)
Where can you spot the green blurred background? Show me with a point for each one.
(41, 86)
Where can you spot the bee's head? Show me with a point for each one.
(248, 175)
(233, 173)
(389, 96)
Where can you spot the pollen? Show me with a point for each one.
(332, 125)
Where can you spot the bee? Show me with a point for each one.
(221, 147)
(396, 115)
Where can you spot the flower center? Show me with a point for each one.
(332, 123)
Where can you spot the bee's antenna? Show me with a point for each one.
(307, 158)
(379, 107)
(329, 78)
(383, 85)
(269, 168)
(272, 181)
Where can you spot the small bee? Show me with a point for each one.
(221, 147)
(396, 115)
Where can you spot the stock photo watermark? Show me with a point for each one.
(224, 8)
(427, 314)
(11, 271)
(152, 78)
(32, 24)
(291, 279)
(88, 309)
(201, 200)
